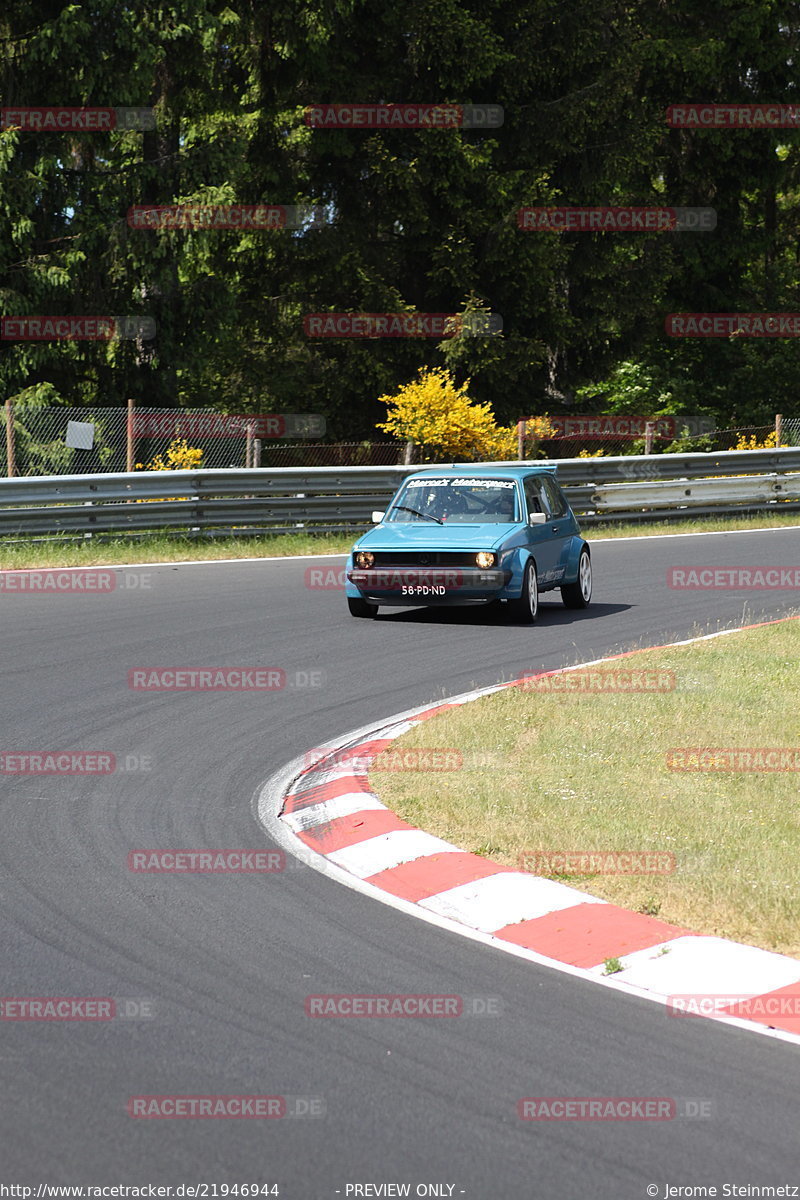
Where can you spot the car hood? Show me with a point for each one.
(413, 536)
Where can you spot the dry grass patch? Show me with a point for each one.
(100, 552)
(588, 772)
(689, 524)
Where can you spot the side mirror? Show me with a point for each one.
(537, 518)
(377, 517)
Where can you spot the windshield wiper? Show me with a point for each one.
(425, 516)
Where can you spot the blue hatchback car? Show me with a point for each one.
(472, 535)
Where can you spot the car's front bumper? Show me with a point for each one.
(428, 585)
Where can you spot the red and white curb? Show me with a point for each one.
(324, 813)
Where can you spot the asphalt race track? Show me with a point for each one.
(226, 961)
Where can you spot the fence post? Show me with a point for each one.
(11, 460)
(248, 451)
(521, 427)
(129, 438)
(778, 428)
(408, 456)
(649, 432)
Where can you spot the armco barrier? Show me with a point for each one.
(341, 499)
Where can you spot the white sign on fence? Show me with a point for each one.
(80, 435)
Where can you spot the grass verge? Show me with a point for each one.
(586, 771)
(691, 525)
(65, 552)
(16, 555)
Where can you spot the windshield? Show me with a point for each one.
(456, 500)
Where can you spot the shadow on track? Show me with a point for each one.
(496, 614)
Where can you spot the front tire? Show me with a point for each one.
(361, 608)
(579, 593)
(526, 609)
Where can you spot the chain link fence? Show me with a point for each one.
(86, 441)
(790, 431)
(77, 441)
(600, 446)
(334, 454)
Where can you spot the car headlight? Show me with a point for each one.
(485, 558)
(364, 558)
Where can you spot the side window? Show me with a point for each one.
(535, 500)
(558, 504)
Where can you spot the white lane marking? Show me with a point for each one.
(504, 899)
(317, 777)
(388, 850)
(329, 810)
(187, 562)
(396, 729)
(345, 765)
(708, 966)
(648, 537)
(266, 804)
(206, 562)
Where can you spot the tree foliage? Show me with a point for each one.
(414, 220)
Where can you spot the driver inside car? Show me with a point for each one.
(503, 506)
(446, 502)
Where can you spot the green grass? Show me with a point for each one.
(691, 525)
(163, 547)
(587, 772)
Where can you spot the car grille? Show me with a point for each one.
(425, 558)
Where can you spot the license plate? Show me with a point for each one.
(422, 589)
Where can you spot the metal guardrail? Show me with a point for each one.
(341, 499)
(627, 467)
(753, 491)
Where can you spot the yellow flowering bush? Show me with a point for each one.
(770, 442)
(432, 412)
(540, 428)
(180, 456)
(537, 430)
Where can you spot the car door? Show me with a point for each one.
(539, 538)
(559, 524)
